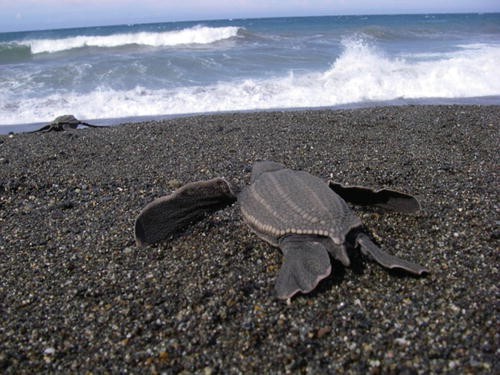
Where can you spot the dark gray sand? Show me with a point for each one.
(77, 295)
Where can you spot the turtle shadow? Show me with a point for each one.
(402, 274)
(326, 285)
(358, 267)
(338, 274)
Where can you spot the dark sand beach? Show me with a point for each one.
(78, 296)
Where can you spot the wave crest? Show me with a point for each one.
(191, 36)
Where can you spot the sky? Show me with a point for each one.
(18, 15)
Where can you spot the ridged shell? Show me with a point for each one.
(295, 202)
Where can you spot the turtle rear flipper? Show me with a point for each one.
(386, 260)
(190, 203)
(387, 199)
(305, 264)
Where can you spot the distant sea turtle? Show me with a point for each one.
(64, 122)
(293, 210)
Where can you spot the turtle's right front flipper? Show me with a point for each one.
(306, 262)
(385, 198)
(93, 126)
(190, 203)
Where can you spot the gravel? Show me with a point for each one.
(77, 295)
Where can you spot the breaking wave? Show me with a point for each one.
(360, 74)
(197, 35)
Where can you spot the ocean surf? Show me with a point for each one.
(179, 68)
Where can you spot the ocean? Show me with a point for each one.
(110, 74)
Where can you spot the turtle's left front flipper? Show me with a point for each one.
(45, 128)
(190, 203)
(387, 199)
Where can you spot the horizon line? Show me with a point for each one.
(140, 23)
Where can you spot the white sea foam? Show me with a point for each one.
(363, 73)
(193, 35)
(359, 74)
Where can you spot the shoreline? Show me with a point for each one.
(475, 101)
(77, 295)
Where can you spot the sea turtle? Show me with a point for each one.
(64, 122)
(305, 217)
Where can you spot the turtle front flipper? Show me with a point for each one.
(305, 264)
(46, 128)
(386, 260)
(190, 203)
(92, 126)
(387, 199)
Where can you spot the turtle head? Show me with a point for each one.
(263, 166)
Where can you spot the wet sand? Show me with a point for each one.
(77, 295)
